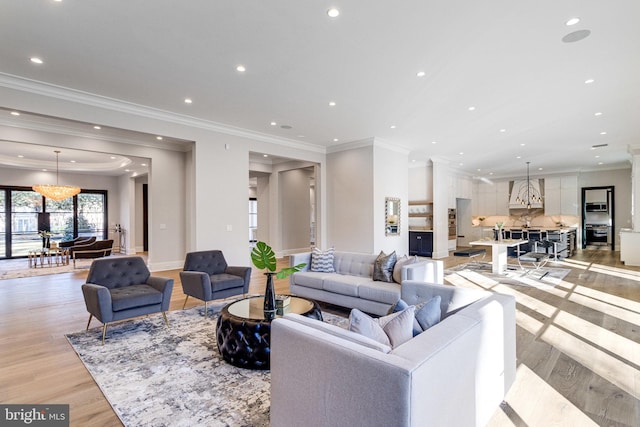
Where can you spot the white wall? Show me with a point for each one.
(391, 179)
(350, 200)
(295, 209)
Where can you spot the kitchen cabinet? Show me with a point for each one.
(561, 195)
(491, 199)
(421, 243)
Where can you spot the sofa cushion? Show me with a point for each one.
(221, 282)
(383, 267)
(343, 284)
(310, 279)
(401, 262)
(134, 296)
(354, 264)
(383, 292)
(394, 329)
(322, 261)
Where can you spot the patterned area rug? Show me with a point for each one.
(158, 376)
(515, 275)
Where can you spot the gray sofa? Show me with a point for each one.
(352, 284)
(454, 374)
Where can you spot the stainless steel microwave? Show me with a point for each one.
(596, 207)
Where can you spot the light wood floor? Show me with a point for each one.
(578, 345)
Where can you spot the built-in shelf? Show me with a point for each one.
(422, 210)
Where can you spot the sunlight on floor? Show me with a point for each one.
(617, 272)
(584, 343)
(533, 396)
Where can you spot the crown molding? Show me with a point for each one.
(22, 84)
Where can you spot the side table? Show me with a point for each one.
(244, 334)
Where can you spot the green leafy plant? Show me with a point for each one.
(263, 257)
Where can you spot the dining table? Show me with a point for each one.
(499, 252)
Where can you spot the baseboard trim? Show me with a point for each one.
(164, 266)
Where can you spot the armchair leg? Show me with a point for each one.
(166, 321)
(205, 310)
(104, 332)
(185, 302)
(90, 317)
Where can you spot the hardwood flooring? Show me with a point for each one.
(578, 345)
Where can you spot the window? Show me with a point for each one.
(23, 213)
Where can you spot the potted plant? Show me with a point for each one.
(263, 257)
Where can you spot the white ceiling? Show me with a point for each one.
(506, 58)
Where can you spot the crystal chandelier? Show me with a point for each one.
(528, 193)
(56, 192)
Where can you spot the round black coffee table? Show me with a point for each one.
(244, 334)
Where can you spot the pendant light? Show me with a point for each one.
(56, 192)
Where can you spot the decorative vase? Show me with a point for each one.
(269, 298)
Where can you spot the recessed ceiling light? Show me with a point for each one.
(539, 169)
(503, 130)
(522, 144)
(392, 127)
(589, 81)
(21, 156)
(96, 127)
(273, 123)
(332, 104)
(421, 74)
(36, 60)
(576, 36)
(143, 164)
(600, 163)
(434, 142)
(518, 157)
(333, 12)
(112, 157)
(490, 173)
(241, 69)
(72, 161)
(478, 169)
(461, 164)
(127, 170)
(598, 114)
(471, 108)
(188, 101)
(265, 155)
(603, 133)
(159, 138)
(44, 170)
(15, 113)
(300, 136)
(597, 156)
(572, 21)
(462, 153)
(335, 140)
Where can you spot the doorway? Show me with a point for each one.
(598, 218)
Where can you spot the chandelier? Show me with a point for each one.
(528, 193)
(56, 192)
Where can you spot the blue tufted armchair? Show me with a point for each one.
(207, 276)
(122, 288)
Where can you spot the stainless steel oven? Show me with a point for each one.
(598, 234)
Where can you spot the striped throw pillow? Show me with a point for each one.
(322, 261)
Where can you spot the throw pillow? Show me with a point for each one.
(322, 261)
(383, 267)
(397, 269)
(429, 313)
(393, 330)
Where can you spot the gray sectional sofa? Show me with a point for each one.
(352, 284)
(455, 373)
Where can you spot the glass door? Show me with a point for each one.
(25, 207)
